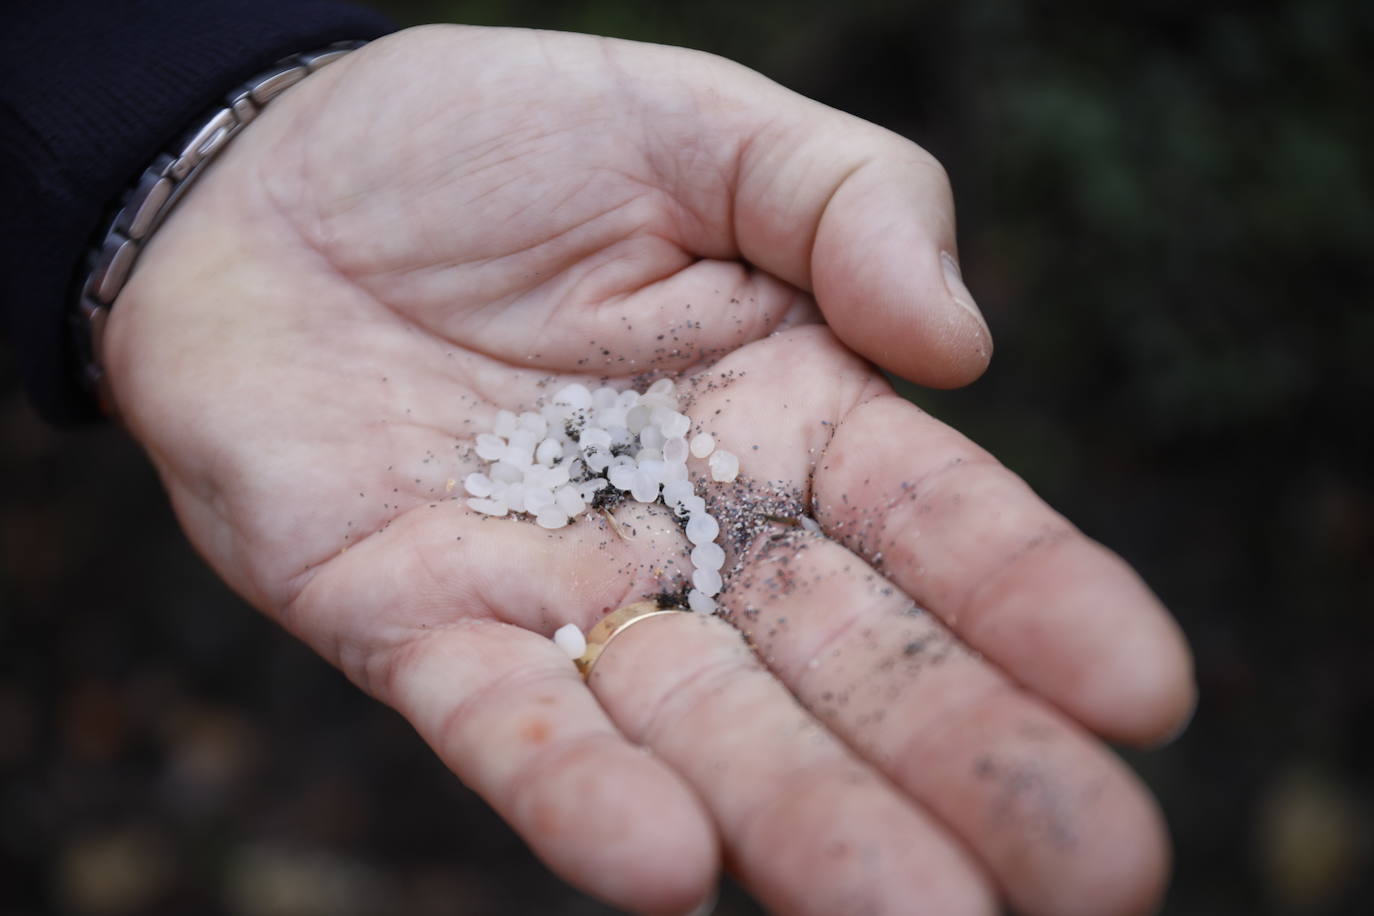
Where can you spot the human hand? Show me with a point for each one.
(452, 221)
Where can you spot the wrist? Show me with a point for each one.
(158, 190)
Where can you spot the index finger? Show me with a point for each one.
(1063, 825)
(956, 531)
(968, 539)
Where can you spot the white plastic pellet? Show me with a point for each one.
(501, 472)
(610, 417)
(518, 455)
(653, 469)
(551, 518)
(810, 524)
(575, 395)
(506, 423)
(675, 425)
(709, 555)
(724, 466)
(666, 401)
(652, 437)
(594, 437)
(490, 448)
(534, 423)
(702, 528)
(699, 603)
(524, 438)
(643, 487)
(707, 581)
(549, 451)
(569, 638)
(622, 476)
(537, 499)
(568, 500)
(637, 417)
(538, 457)
(694, 505)
(588, 488)
(676, 491)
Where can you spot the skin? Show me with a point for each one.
(456, 220)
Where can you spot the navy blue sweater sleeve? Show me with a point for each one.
(90, 92)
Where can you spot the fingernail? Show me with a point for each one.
(954, 282)
(1178, 729)
(708, 906)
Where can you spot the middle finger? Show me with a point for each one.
(1059, 821)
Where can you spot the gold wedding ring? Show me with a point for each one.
(612, 625)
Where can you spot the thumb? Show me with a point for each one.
(886, 275)
(864, 219)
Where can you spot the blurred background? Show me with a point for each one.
(1167, 214)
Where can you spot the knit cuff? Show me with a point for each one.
(90, 93)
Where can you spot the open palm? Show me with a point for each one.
(453, 221)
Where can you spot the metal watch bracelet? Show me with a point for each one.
(157, 191)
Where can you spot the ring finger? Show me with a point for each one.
(810, 826)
